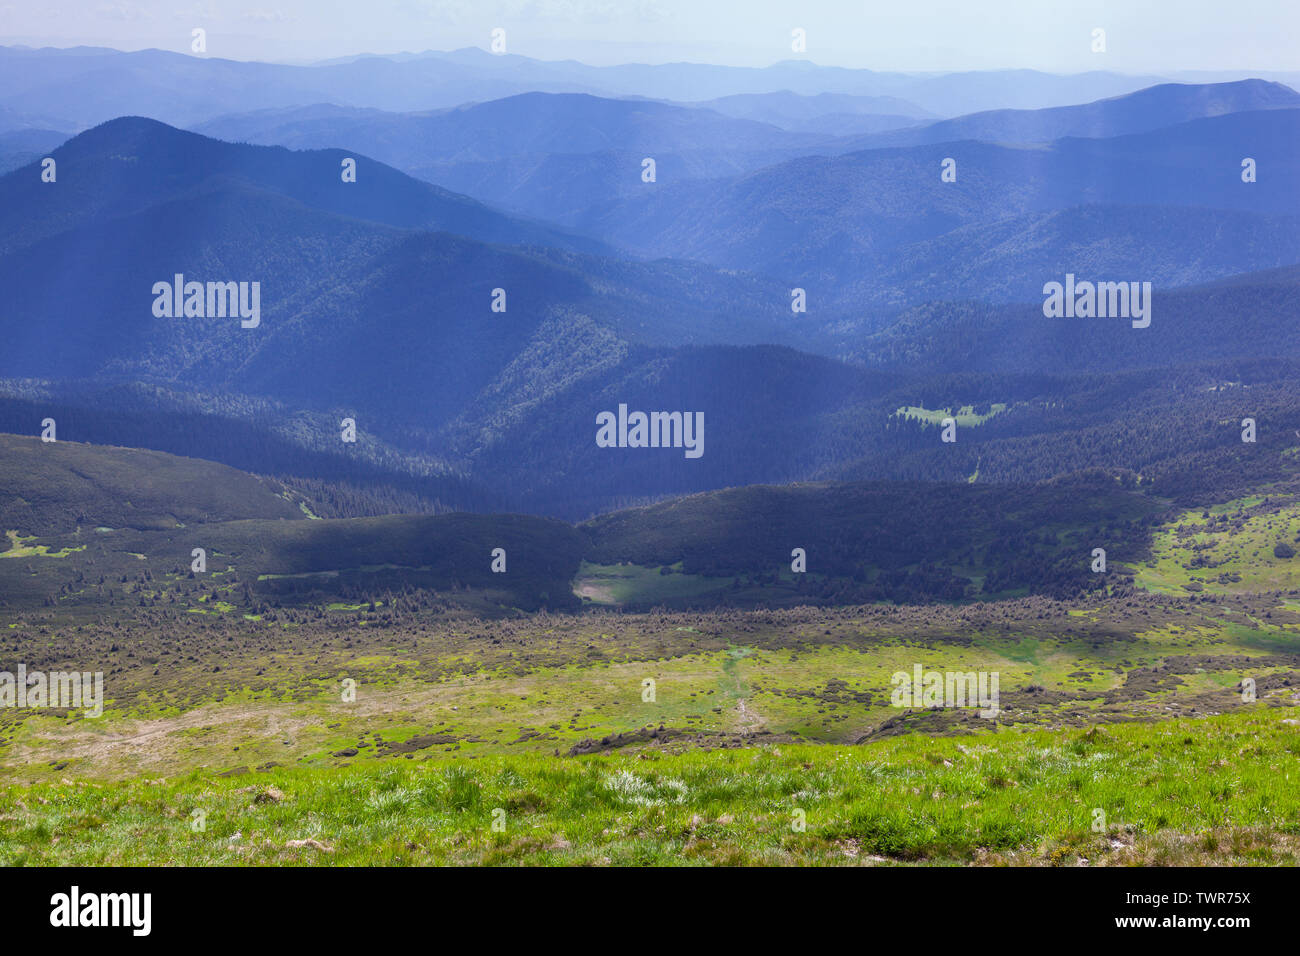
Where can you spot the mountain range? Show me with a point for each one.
(80, 87)
(499, 274)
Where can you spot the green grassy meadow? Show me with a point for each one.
(1220, 790)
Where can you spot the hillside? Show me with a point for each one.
(55, 488)
(364, 308)
(968, 336)
(80, 512)
(80, 521)
(131, 164)
(24, 146)
(872, 542)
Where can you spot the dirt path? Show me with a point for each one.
(750, 721)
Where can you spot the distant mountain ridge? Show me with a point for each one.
(543, 154)
(1152, 108)
(836, 114)
(577, 159)
(86, 86)
(879, 227)
(526, 124)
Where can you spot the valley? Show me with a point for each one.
(352, 444)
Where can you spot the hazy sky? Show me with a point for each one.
(1055, 35)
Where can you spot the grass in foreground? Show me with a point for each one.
(1218, 790)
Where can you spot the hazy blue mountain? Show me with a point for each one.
(837, 113)
(576, 159)
(877, 227)
(91, 86)
(1010, 260)
(774, 414)
(770, 414)
(33, 139)
(855, 124)
(528, 124)
(562, 186)
(1253, 314)
(1159, 106)
(1289, 78)
(974, 91)
(23, 146)
(1080, 393)
(316, 126)
(86, 86)
(16, 120)
(131, 163)
(542, 154)
(363, 305)
(946, 94)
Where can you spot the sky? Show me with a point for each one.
(1142, 36)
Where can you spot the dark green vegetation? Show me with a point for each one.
(773, 416)
(88, 526)
(887, 542)
(109, 525)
